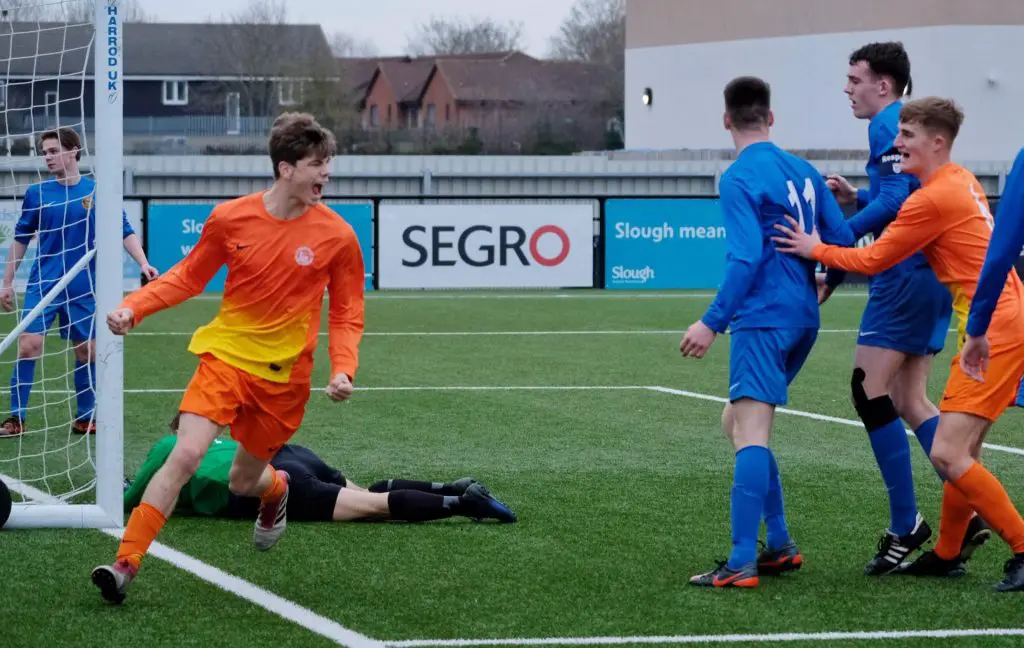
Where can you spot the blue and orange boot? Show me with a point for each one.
(723, 576)
(787, 558)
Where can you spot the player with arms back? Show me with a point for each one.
(62, 214)
(283, 249)
(769, 302)
(948, 219)
(907, 316)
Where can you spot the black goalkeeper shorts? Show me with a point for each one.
(313, 488)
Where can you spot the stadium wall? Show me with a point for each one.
(685, 56)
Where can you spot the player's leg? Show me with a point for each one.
(30, 348)
(456, 488)
(314, 497)
(909, 393)
(195, 435)
(781, 554)
(80, 313)
(271, 414)
(757, 382)
(211, 402)
(873, 374)
(968, 410)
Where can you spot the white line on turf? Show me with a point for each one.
(484, 333)
(243, 589)
(610, 295)
(702, 639)
(810, 415)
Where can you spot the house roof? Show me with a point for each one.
(408, 76)
(527, 81)
(166, 49)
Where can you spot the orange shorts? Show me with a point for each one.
(992, 397)
(262, 415)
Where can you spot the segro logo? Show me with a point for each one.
(485, 245)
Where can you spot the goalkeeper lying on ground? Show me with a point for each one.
(317, 492)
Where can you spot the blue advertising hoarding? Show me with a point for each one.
(174, 229)
(660, 244)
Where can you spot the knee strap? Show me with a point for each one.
(874, 412)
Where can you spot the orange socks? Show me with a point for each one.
(988, 497)
(276, 488)
(143, 526)
(956, 515)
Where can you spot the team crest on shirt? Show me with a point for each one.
(304, 256)
(87, 202)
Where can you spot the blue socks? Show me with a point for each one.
(749, 491)
(21, 386)
(85, 380)
(892, 452)
(774, 511)
(926, 434)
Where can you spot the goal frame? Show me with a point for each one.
(107, 511)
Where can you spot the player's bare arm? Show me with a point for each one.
(845, 193)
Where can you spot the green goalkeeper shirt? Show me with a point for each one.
(206, 493)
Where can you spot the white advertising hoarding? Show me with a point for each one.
(10, 211)
(486, 246)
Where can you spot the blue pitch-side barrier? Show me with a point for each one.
(173, 229)
(639, 243)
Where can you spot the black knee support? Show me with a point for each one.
(874, 412)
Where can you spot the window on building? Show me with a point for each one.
(175, 93)
(289, 93)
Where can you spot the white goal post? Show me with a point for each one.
(60, 479)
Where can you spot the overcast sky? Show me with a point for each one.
(385, 22)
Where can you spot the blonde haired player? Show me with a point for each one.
(283, 249)
(948, 219)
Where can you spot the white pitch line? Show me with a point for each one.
(487, 333)
(606, 294)
(243, 589)
(872, 635)
(811, 415)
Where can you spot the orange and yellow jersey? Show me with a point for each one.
(278, 270)
(948, 218)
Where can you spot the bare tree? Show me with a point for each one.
(72, 11)
(347, 45)
(464, 36)
(595, 31)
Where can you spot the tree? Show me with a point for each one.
(73, 11)
(346, 45)
(595, 31)
(464, 36)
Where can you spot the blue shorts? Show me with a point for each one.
(763, 362)
(76, 315)
(909, 313)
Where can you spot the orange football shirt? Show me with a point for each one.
(278, 271)
(948, 219)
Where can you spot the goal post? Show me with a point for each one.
(60, 479)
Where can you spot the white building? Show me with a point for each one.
(685, 51)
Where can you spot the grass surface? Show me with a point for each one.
(622, 494)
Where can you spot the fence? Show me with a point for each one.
(606, 242)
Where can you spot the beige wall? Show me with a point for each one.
(654, 23)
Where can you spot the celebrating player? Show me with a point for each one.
(317, 492)
(949, 219)
(769, 302)
(283, 248)
(60, 211)
(907, 315)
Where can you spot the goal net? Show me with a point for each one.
(61, 438)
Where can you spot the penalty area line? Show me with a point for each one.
(811, 415)
(243, 589)
(870, 635)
